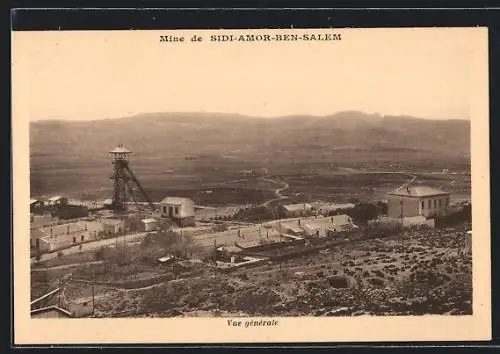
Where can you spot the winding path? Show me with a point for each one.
(277, 192)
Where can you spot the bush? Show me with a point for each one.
(363, 212)
(60, 254)
(464, 215)
(147, 241)
(99, 254)
(254, 214)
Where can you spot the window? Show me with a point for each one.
(83, 238)
(176, 210)
(164, 209)
(423, 204)
(439, 203)
(430, 206)
(435, 203)
(74, 239)
(447, 202)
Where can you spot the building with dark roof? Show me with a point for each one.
(418, 201)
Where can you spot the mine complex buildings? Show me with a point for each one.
(58, 223)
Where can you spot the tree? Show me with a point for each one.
(354, 200)
(172, 242)
(363, 212)
(382, 208)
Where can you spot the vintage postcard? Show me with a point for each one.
(242, 186)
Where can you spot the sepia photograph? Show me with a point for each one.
(254, 178)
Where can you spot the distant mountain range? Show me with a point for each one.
(173, 141)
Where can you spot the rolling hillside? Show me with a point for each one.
(186, 148)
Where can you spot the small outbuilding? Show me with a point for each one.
(150, 224)
(296, 210)
(179, 210)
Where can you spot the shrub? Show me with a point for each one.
(376, 281)
(60, 254)
(99, 254)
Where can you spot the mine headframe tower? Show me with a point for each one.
(123, 179)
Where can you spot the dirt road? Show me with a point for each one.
(277, 192)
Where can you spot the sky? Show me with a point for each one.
(92, 75)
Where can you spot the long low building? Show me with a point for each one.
(55, 237)
(50, 238)
(325, 226)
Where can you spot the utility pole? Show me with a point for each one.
(279, 251)
(215, 257)
(402, 216)
(93, 293)
(59, 294)
(279, 258)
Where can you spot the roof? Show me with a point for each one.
(62, 229)
(120, 150)
(297, 207)
(109, 221)
(254, 233)
(333, 206)
(293, 227)
(175, 200)
(328, 222)
(32, 201)
(148, 221)
(166, 258)
(55, 198)
(418, 191)
(230, 249)
(259, 242)
(341, 219)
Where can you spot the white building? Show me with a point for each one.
(50, 238)
(179, 210)
(150, 224)
(324, 226)
(57, 200)
(296, 210)
(418, 201)
(112, 226)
